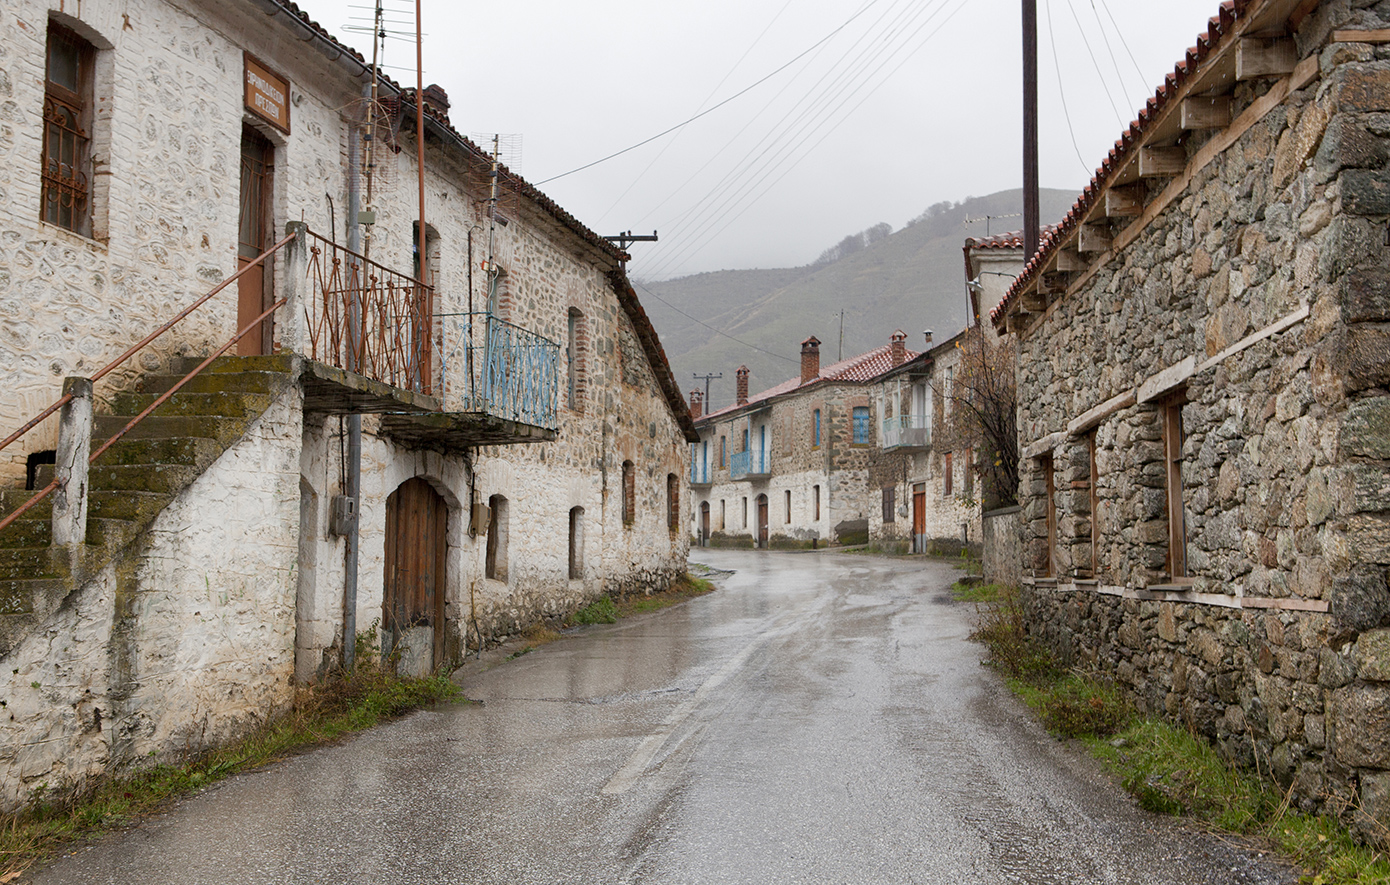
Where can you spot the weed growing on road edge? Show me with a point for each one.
(976, 592)
(601, 611)
(371, 694)
(1168, 769)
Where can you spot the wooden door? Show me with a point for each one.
(919, 518)
(762, 522)
(417, 521)
(704, 524)
(253, 236)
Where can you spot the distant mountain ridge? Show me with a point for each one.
(913, 279)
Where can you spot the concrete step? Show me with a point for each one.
(223, 430)
(12, 499)
(27, 533)
(31, 562)
(136, 507)
(17, 597)
(110, 534)
(226, 404)
(192, 451)
(216, 382)
(280, 363)
(169, 479)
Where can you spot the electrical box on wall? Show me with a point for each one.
(482, 517)
(342, 519)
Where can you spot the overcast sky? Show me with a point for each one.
(880, 107)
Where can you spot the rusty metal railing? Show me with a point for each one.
(258, 262)
(367, 318)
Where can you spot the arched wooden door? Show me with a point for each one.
(762, 522)
(417, 522)
(704, 523)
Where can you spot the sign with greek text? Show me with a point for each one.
(267, 94)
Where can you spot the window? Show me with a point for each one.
(1050, 484)
(721, 514)
(947, 475)
(815, 429)
(946, 390)
(861, 425)
(496, 566)
(673, 503)
(745, 513)
(890, 503)
(723, 451)
(67, 132)
(815, 503)
(1177, 521)
(1095, 504)
(576, 341)
(789, 506)
(629, 493)
(745, 440)
(968, 472)
(576, 543)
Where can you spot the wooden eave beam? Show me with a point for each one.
(1124, 202)
(1093, 238)
(1162, 162)
(1205, 112)
(1068, 261)
(1019, 321)
(1259, 57)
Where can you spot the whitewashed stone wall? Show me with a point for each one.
(184, 642)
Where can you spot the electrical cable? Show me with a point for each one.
(748, 88)
(1051, 38)
(785, 135)
(708, 326)
(1110, 50)
(1144, 83)
(1095, 64)
(702, 236)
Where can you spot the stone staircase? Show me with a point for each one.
(133, 481)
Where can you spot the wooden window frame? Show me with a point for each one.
(77, 182)
(855, 413)
(1171, 410)
(948, 476)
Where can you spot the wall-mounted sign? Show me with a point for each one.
(267, 94)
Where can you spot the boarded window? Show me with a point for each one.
(629, 493)
(890, 503)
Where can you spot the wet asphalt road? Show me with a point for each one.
(822, 718)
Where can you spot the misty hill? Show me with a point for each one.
(913, 279)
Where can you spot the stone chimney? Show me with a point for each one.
(742, 374)
(697, 403)
(810, 359)
(899, 347)
(437, 100)
(928, 334)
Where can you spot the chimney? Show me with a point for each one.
(810, 359)
(928, 334)
(899, 347)
(697, 403)
(742, 374)
(437, 100)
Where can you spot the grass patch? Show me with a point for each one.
(1167, 769)
(606, 610)
(976, 592)
(368, 696)
(601, 611)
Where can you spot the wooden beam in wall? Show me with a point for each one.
(1019, 321)
(1161, 162)
(1124, 202)
(1093, 238)
(1034, 302)
(1258, 57)
(1206, 112)
(1378, 36)
(1068, 261)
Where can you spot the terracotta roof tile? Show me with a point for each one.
(857, 369)
(1219, 28)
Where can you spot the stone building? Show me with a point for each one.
(1203, 410)
(523, 444)
(789, 467)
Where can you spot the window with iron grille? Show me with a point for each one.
(861, 425)
(67, 104)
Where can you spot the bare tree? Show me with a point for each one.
(984, 409)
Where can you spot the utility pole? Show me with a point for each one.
(627, 238)
(842, 336)
(1030, 129)
(698, 376)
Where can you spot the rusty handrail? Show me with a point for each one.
(136, 348)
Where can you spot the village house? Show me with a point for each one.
(522, 447)
(1203, 416)
(789, 467)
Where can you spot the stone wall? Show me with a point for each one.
(1253, 304)
(999, 539)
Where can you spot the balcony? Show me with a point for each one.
(699, 474)
(750, 465)
(906, 432)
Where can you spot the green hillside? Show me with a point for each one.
(913, 279)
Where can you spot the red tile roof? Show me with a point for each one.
(1220, 29)
(1011, 240)
(856, 369)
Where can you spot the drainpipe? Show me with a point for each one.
(354, 428)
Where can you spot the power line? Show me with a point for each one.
(716, 107)
(711, 328)
(1144, 84)
(1051, 38)
(1110, 50)
(1085, 41)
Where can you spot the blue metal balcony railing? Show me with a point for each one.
(745, 464)
(500, 369)
(907, 432)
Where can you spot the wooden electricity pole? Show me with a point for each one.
(1030, 129)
